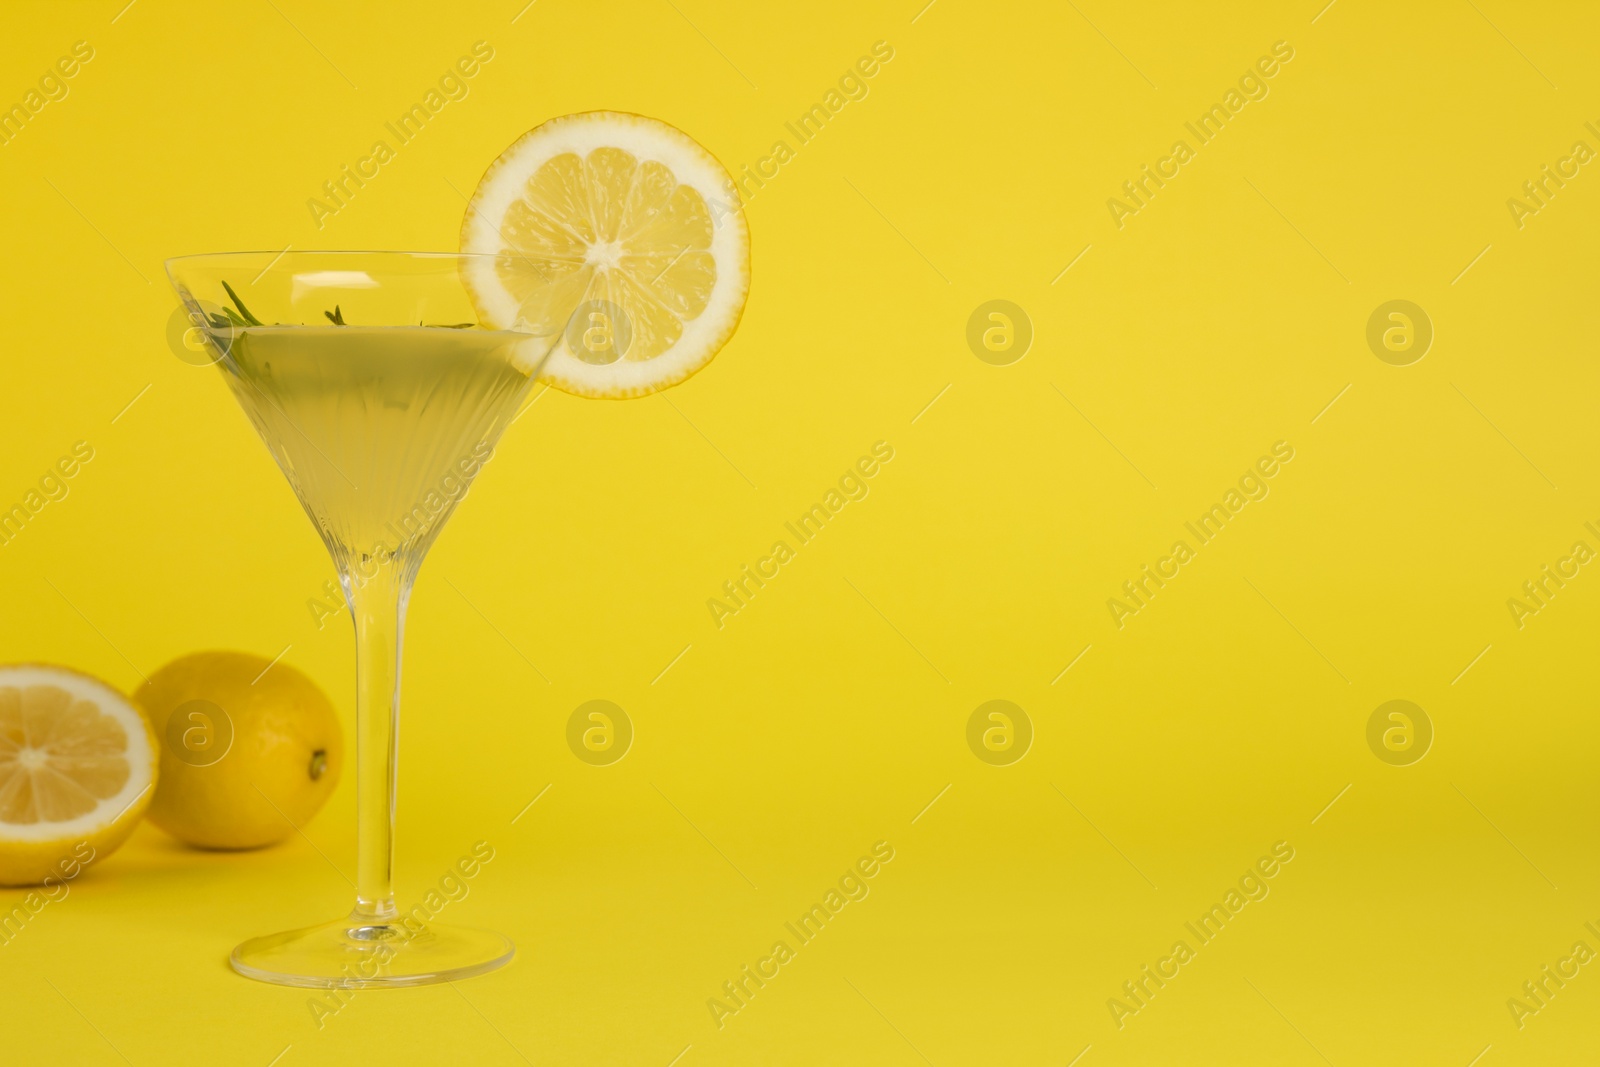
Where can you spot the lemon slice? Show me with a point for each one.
(77, 763)
(620, 233)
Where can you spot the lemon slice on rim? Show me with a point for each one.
(77, 763)
(620, 233)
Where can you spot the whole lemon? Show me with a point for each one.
(250, 749)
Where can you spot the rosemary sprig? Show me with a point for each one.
(243, 316)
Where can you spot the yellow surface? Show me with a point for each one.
(770, 754)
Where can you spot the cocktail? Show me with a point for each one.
(605, 255)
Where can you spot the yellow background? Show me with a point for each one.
(1222, 718)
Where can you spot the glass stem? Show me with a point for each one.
(377, 606)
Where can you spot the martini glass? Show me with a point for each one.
(381, 399)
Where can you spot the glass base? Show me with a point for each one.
(357, 954)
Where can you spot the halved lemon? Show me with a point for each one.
(77, 763)
(623, 235)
